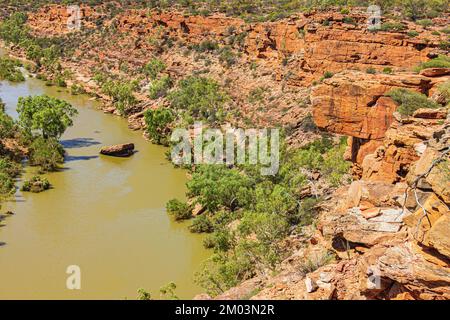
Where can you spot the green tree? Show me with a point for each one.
(46, 153)
(201, 98)
(179, 210)
(9, 70)
(13, 29)
(46, 115)
(157, 121)
(121, 93)
(216, 186)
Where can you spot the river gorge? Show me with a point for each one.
(105, 215)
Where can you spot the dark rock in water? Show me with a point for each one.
(120, 150)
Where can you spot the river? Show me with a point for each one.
(105, 215)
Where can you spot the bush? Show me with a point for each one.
(388, 70)
(36, 184)
(160, 88)
(13, 29)
(7, 186)
(201, 224)
(201, 98)
(371, 71)
(227, 57)
(439, 62)
(216, 186)
(206, 45)
(46, 153)
(316, 261)
(121, 93)
(154, 67)
(9, 70)
(10, 168)
(7, 125)
(327, 75)
(157, 121)
(425, 23)
(76, 90)
(179, 210)
(412, 34)
(409, 101)
(393, 26)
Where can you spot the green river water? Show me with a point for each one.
(106, 215)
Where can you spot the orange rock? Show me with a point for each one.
(352, 103)
(371, 213)
(435, 72)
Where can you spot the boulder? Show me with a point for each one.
(120, 150)
(435, 72)
(426, 113)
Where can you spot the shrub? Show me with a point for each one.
(388, 70)
(269, 229)
(439, 62)
(154, 67)
(409, 101)
(13, 29)
(227, 57)
(76, 90)
(157, 124)
(216, 186)
(412, 34)
(316, 261)
(46, 153)
(179, 210)
(371, 71)
(425, 23)
(144, 295)
(7, 186)
(10, 168)
(444, 45)
(121, 93)
(159, 88)
(206, 45)
(444, 92)
(7, 125)
(201, 98)
(9, 70)
(392, 26)
(201, 224)
(328, 75)
(36, 184)
(46, 115)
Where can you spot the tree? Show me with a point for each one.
(7, 125)
(46, 153)
(46, 115)
(201, 98)
(121, 93)
(13, 29)
(9, 70)
(217, 186)
(157, 124)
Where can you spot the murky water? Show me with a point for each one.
(104, 214)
